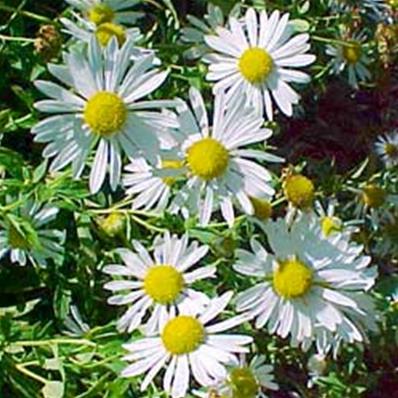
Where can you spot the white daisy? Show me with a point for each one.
(160, 283)
(195, 34)
(331, 223)
(310, 283)
(257, 57)
(247, 380)
(152, 191)
(102, 107)
(387, 148)
(185, 343)
(27, 236)
(108, 11)
(373, 202)
(83, 30)
(220, 172)
(350, 55)
(374, 9)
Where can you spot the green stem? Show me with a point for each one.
(26, 14)
(23, 39)
(30, 374)
(35, 343)
(329, 40)
(147, 225)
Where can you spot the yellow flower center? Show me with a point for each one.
(374, 196)
(16, 239)
(255, 64)
(292, 279)
(174, 165)
(163, 283)
(391, 150)
(183, 334)
(244, 384)
(105, 113)
(100, 14)
(299, 190)
(107, 30)
(113, 224)
(352, 52)
(330, 225)
(262, 208)
(208, 158)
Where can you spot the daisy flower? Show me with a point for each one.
(157, 283)
(188, 343)
(258, 58)
(220, 171)
(332, 224)
(350, 56)
(308, 283)
(83, 30)
(107, 11)
(152, 190)
(102, 107)
(27, 236)
(245, 380)
(195, 34)
(387, 148)
(374, 9)
(373, 202)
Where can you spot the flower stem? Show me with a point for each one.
(26, 14)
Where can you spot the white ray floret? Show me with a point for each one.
(83, 30)
(158, 283)
(311, 283)
(188, 343)
(194, 34)
(150, 189)
(259, 57)
(102, 106)
(222, 171)
(27, 236)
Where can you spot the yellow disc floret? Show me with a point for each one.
(374, 196)
(330, 225)
(174, 165)
(255, 65)
(163, 283)
(292, 278)
(244, 384)
(100, 14)
(16, 239)
(299, 191)
(262, 208)
(107, 30)
(113, 224)
(105, 113)
(207, 158)
(352, 52)
(391, 150)
(182, 335)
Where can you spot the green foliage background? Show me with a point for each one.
(45, 348)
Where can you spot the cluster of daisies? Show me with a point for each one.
(309, 280)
